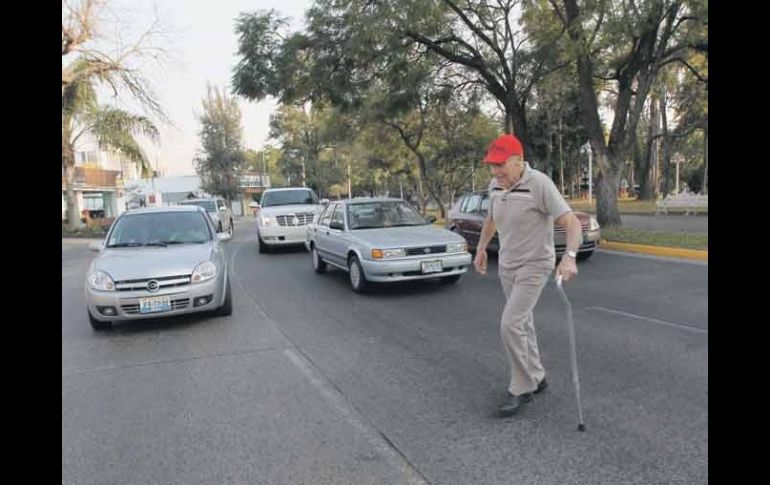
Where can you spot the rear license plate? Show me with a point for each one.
(431, 266)
(156, 304)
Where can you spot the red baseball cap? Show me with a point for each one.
(503, 148)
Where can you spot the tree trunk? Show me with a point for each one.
(607, 196)
(704, 188)
(666, 144)
(73, 215)
(607, 210)
(421, 193)
(647, 182)
(561, 161)
(68, 164)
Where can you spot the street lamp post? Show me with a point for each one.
(587, 148)
(350, 193)
(677, 159)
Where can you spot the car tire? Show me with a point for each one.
(219, 227)
(232, 229)
(263, 248)
(319, 265)
(585, 255)
(357, 277)
(227, 307)
(451, 279)
(98, 325)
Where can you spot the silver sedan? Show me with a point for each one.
(384, 240)
(158, 262)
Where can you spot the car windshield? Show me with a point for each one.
(289, 197)
(209, 205)
(374, 215)
(159, 229)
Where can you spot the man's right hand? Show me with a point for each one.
(480, 261)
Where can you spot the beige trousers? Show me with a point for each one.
(522, 287)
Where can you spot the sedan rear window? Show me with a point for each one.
(373, 215)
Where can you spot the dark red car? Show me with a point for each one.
(467, 216)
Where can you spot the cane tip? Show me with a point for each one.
(581, 427)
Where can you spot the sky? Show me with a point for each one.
(202, 45)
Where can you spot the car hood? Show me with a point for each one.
(152, 262)
(290, 209)
(407, 236)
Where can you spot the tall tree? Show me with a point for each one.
(352, 44)
(222, 151)
(623, 44)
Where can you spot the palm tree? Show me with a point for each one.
(112, 128)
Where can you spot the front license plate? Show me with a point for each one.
(431, 266)
(156, 304)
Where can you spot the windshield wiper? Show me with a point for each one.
(184, 242)
(125, 245)
(368, 227)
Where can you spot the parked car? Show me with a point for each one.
(384, 240)
(466, 217)
(158, 262)
(218, 210)
(283, 216)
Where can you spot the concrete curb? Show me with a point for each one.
(655, 250)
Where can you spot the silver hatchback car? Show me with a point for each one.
(218, 210)
(384, 240)
(158, 262)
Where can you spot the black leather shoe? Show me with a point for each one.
(541, 386)
(512, 403)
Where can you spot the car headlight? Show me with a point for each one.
(99, 280)
(457, 248)
(265, 220)
(388, 253)
(204, 272)
(593, 224)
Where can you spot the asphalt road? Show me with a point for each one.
(310, 383)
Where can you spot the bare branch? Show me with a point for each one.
(688, 66)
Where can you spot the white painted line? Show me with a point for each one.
(340, 403)
(648, 319)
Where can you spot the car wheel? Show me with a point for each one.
(227, 307)
(98, 324)
(357, 277)
(584, 256)
(219, 228)
(451, 279)
(263, 248)
(232, 229)
(319, 265)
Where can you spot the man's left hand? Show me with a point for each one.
(567, 268)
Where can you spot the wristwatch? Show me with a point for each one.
(572, 254)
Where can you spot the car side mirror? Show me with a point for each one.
(224, 236)
(431, 219)
(96, 246)
(324, 201)
(337, 225)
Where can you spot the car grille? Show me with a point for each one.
(295, 220)
(562, 230)
(175, 305)
(421, 251)
(163, 282)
